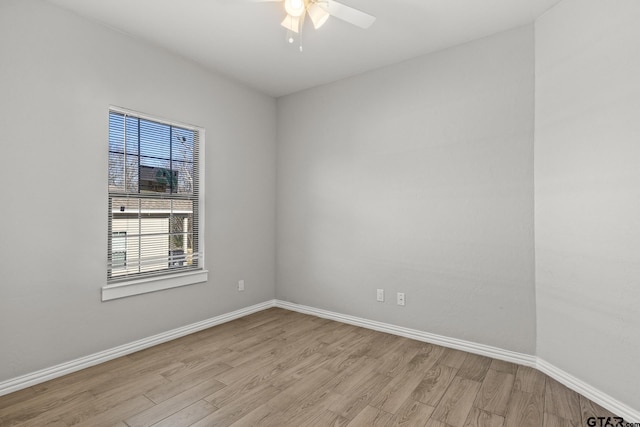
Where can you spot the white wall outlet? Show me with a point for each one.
(380, 295)
(401, 298)
(240, 285)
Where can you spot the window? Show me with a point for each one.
(155, 209)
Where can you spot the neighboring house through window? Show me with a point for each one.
(119, 250)
(155, 205)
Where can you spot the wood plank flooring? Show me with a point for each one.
(281, 368)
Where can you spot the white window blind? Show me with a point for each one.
(153, 198)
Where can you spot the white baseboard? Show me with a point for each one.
(615, 406)
(620, 409)
(458, 344)
(24, 381)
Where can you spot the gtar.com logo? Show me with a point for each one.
(605, 422)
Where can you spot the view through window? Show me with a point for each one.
(153, 197)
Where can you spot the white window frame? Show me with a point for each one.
(182, 278)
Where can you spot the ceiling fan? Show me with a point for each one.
(319, 12)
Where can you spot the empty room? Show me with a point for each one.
(320, 213)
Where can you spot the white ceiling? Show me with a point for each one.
(243, 40)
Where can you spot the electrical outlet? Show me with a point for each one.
(380, 295)
(240, 285)
(401, 300)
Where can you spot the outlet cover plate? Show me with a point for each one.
(401, 300)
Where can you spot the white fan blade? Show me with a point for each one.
(347, 13)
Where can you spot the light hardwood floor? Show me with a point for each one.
(281, 368)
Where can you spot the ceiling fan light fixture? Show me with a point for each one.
(294, 8)
(318, 15)
(291, 23)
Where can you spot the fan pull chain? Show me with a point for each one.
(289, 32)
(300, 38)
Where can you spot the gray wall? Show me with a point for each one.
(416, 178)
(587, 181)
(58, 75)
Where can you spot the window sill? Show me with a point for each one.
(153, 284)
